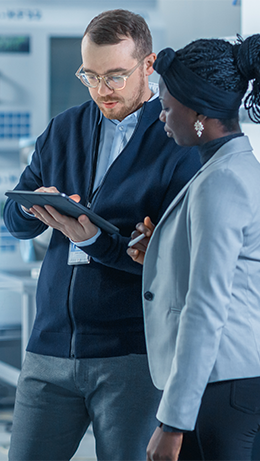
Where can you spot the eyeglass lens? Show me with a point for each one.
(113, 81)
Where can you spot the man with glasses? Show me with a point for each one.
(86, 358)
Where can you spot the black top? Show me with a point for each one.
(210, 148)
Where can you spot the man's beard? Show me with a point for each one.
(125, 109)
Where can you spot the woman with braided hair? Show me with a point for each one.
(201, 279)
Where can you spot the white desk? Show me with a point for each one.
(26, 286)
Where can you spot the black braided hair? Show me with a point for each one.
(248, 62)
(229, 67)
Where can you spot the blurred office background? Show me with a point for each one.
(39, 54)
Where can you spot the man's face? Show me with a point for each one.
(116, 59)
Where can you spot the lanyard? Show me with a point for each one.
(91, 193)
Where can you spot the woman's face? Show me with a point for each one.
(178, 119)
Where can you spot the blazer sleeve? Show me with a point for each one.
(218, 214)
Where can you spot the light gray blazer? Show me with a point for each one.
(201, 284)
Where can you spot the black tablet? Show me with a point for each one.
(62, 203)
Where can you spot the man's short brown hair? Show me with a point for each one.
(111, 27)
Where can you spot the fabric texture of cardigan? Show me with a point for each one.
(95, 309)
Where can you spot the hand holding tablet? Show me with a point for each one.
(62, 203)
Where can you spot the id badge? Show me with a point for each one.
(77, 256)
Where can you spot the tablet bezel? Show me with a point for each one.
(62, 203)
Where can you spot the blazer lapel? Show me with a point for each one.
(237, 145)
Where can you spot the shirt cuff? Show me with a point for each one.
(167, 428)
(88, 242)
(26, 212)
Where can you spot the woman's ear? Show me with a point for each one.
(201, 117)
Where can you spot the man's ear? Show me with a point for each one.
(149, 60)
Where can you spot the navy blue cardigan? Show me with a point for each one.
(95, 310)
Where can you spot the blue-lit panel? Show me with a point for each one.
(14, 125)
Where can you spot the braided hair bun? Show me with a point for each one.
(229, 67)
(247, 54)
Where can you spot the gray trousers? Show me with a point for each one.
(58, 398)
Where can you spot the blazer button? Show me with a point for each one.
(148, 296)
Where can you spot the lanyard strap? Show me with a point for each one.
(91, 193)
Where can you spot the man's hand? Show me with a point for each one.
(164, 446)
(77, 230)
(47, 189)
(137, 251)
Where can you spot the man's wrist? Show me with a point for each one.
(26, 212)
(167, 428)
(89, 241)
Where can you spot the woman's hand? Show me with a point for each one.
(137, 251)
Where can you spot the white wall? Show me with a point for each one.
(187, 20)
(250, 14)
(250, 24)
